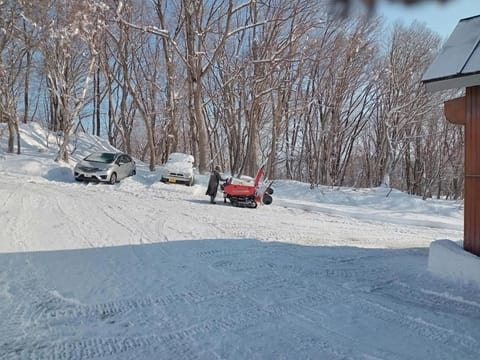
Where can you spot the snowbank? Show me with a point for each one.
(447, 259)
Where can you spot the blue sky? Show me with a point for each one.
(441, 18)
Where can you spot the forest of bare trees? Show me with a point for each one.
(317, 97)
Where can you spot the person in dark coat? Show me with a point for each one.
(213, 182)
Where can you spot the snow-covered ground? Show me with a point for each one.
(146, 270)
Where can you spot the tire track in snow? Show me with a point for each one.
(98, 347)
(331, 272)
(436, 333)
(22, 317)
(234, 252)
(250, 317)
(417, 297)
(72, 221)
(46, 313)
(15, 202)
(177, 343)
(372, 307)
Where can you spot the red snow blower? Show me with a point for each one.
(246, 195)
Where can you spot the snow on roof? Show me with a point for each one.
(458, 64)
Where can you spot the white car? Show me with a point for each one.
(107, 167)
(179, 169)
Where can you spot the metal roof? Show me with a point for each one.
(458, 63)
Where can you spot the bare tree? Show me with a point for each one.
(171, 110)
(402, 101)
(69, 49)
(199, 20)
(11, 56)
(139, 64)
(119, 52)
(335, 99)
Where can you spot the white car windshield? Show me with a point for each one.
(105, 158)
(180, 158)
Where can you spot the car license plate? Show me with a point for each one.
(172, 180)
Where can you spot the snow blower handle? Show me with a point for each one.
(227, 181)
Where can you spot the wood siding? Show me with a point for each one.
(472, 171)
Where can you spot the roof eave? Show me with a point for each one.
(452, 82)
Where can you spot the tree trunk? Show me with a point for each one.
(195, 79)
(17, 132)
(27, 86)
(11, 135)
(171, 138)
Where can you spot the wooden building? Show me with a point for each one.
(456, 67)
